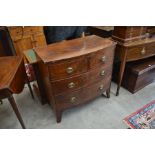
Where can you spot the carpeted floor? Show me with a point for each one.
(101, 113)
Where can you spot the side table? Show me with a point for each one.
(12, 81)
(133, 51)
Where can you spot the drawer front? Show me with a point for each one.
(102, 57)
(76, 82)
(141, 52)
(82, 95)
(68, 68)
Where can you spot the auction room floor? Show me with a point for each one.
(102, 113)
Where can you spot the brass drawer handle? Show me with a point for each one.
(143, 51)
(102, 73)
(69, 70)
(103, 59)
(71, 85)
(101, 87)
(73, 99)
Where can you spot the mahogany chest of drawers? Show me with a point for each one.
(76, 71)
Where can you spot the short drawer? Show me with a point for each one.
(70, 84)
(140, 52)
(102, 57)
(68, 68)
(82, 95)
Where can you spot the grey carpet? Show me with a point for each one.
(102, 113)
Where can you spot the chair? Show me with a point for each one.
(12, 80)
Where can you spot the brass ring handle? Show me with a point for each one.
(69, 70)
(102, 73)
(71, 85)
(101, 87)
(73, 99)
(103, 59)
(143, 51)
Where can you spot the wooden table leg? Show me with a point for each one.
(108, 91)
(58, 115)
(30, 88)
(15, 108)
(121, 72)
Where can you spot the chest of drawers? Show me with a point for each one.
(76, 71)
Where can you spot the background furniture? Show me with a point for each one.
(13, 78)
(76, 71)
(27, 37)
(133, 43)
(102, 31)
(126, 34)
(6, 45)
(137, 74)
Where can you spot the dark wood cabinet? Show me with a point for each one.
(133, 43)
(139, 74)
(76, 71)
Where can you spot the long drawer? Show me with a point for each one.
(70, 84)
(141, 51)
(68, 100)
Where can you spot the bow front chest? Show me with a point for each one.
(76, 71)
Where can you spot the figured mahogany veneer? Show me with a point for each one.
(12, 71)
(76, 71)
(78, 81)
(82, 95)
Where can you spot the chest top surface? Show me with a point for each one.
(8, 68)
(72, 48)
